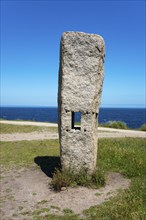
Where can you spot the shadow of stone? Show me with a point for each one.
(48, 164)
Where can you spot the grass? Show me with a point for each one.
(124, 155)
(67, 216)
(67, 211)
(55, 207)
(128, 205)
(22, 153)
(68, 178)
(8, 128)
(40, 211)
(42, 202)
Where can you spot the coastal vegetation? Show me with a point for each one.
(123, 155)
(143, 127)
(9, 128)
(114, 124)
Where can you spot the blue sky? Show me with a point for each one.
(30, 41)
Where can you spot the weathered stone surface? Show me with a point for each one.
(80, 85)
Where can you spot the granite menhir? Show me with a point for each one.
(81, 77)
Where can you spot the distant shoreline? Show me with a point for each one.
(132, 117)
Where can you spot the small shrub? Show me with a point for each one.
(143, 127)
(98, 178)
(60, 179)
(69, 178)
(81, 178)
(115, 124)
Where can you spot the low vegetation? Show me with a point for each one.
(123, 155)
(143, 127)
(9, 128)
(68, 178)
(114, 124)
(23, 153)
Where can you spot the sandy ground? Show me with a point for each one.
(45, 124)
(25, 190)
(103, 132)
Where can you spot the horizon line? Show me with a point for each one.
(55, 106)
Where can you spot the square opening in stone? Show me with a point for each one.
(76, 120)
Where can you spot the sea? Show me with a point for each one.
(133, 117)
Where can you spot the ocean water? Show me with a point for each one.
(133, 117)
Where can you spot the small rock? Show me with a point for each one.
(63, 188)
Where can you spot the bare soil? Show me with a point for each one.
(26, 190)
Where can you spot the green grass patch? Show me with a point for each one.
(124, 155)
(55, 207)
(67, 216)
(22, 153)
(42, 202)
(40, 211)
(8, 128)
(68, 211)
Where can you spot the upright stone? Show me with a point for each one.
(80, 86)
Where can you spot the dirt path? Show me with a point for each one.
(49, 135)
(28, 136)
(26, 190)
(103, 132)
